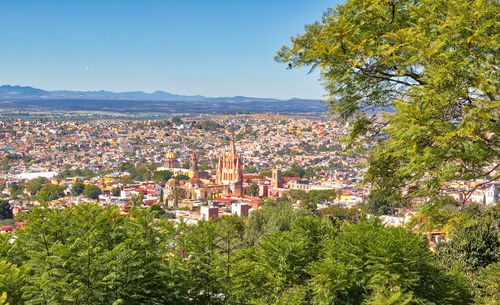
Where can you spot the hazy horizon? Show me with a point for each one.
(220, 48)
(155, 91)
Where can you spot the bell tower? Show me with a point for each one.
(230, 169)
(193, 166)
(277, 179)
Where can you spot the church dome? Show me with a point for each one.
(171, 160)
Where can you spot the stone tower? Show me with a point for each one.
(193, 166)
(277, 179)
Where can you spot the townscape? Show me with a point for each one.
(199, 167)
(126, 158)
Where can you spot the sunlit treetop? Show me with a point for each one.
(433, 63)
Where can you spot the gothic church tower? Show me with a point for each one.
(230, 169)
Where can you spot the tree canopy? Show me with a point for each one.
(91, 191)
(77, 188)
(432, 65)
(35, 185)
(50, 192)
(5, 210)
(161, 176)
(89, 254)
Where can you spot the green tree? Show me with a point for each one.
(272, 217)
(473, 245)
(205, 266)
(295, 195)
(251, 170)
(294, 171)
(91, 191)
(253, 189)
(181, 177)
(438, 215)
(5, 210)
(266, 173)
(79, 172)
(315, 197)
(176, 120)
(489, 286)
(12, 280)
(16, 190)
(140, 173)
(369, 262)
(382, 202)
(137, 200)
(3, 299)
(178, 194)
(310, 172)
(209, 125)
(34, 186)
(157, 210)
(126, 167)
(204, 167)
(341, 213)
(434, 63)
(77, 189)
(277, 265)
(91, 255)
(116, 191)
(161, 176)
(50, 192)
(229, 239)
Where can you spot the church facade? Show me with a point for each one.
(230, 170)
(228, 177)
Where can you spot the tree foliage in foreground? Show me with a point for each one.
(435, 63)
(368, 262)
(475, 241)
(92, 255)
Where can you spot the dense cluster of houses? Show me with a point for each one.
(223, 173)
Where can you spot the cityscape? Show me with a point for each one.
(199, 154)
(217, 161)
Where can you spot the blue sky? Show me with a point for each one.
(212, 48)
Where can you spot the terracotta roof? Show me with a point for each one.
(225, 199)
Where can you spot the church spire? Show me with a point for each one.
(229, 169)
(194, 162)
(232, 148)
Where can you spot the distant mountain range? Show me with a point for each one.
(29, 98)
(18, 92)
